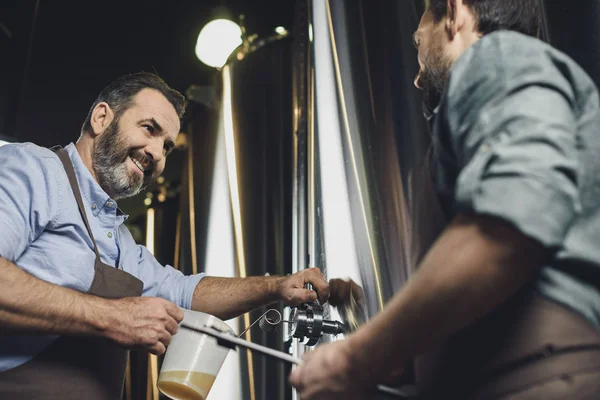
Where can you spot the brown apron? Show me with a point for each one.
(528, 340)
(77, 367)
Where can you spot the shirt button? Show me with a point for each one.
(109, 234)
(94, 206)
(110, 204)
(485, 148)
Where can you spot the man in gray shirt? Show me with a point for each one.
(512, 286)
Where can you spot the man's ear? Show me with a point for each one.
(453, 19)
(102, 116)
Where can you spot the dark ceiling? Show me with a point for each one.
(58, 54)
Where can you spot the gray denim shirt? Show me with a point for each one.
(517, 136)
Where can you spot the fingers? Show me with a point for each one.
(294, 378)
(157, 349)
(174, 311)
(339, 292)
(315, 277)
(299, 296)
(151, 323)
(172, 326)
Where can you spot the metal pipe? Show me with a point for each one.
(230, 341)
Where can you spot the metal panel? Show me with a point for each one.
(260, 164)
(375, 114)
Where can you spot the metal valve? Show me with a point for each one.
(306, 322)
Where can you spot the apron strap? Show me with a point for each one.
(68, 165)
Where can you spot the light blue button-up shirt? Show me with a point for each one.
(42, 232)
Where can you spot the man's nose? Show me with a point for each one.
(155, 152)
(417, 81)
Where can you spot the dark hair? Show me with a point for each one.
(524, 16)
(119, 94)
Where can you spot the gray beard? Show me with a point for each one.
(109, 161)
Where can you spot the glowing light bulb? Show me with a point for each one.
(217, 40)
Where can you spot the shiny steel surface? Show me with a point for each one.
(257, 105)
(383, 214)
(307, 323)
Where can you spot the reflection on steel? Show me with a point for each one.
(256, 102)
(192, 204)
(302, 121)
(235, 205)
(152, 389)
(383, 141)
(177, 241)
(360, 186)
(128, 379)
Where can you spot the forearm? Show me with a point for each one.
(229, 297)
(30, 305)
(475, 265)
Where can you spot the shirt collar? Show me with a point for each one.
(96, 198)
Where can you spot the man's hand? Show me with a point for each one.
(332, 372)
(142, 322)
(345, 291)
(290, 289)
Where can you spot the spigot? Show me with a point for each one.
(306, 322)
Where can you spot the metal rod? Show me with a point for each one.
(228, 340)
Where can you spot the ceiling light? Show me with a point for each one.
(217, 40)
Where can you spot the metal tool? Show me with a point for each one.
(307, 322)
(231, 341)
(268, 322)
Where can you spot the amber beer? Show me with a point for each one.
(193, 360)
(186, 385)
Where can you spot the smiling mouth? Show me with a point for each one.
(138, 164)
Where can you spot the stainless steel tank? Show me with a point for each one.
(328, 160)
(372, 208)
(256, 106)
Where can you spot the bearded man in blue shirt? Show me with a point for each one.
(76, 290)
(506, 303)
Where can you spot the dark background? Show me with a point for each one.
(56, 56)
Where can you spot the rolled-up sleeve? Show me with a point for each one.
(514, 133)
(165, 281)
(29, 196)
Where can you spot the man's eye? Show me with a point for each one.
(150, 128)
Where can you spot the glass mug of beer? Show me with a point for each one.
(193, 359)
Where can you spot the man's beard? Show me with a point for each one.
(433, 80)
(109, 161)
